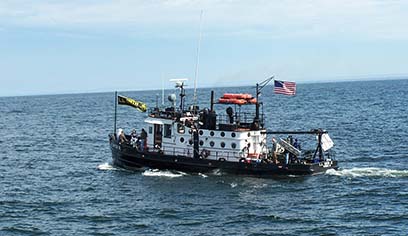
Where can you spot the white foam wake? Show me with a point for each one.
(106, 166)
(203, 175)
(369, 172)
(163, 173)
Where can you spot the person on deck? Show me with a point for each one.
(296, 144)
(274, 151)
(122, 138)
(118, 135)
(133, 138)
(143, 139)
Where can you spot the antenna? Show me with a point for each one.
(198, 60)
(162, 89)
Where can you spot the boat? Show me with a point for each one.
(189, 139)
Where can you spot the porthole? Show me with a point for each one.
(181, 140)
(233, 134)
(201, 142)
(212, 133)
(201, 132)
(212, 143)
(233, 145)
(190, 142)
(249, 134)
(222, 134)
(222, 144)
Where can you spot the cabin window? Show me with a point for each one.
(167, 131)
(212, 133)
(201, 142)
(233, 135)
(201, 132)
(150, 129)
(212, 143)
(222, 134)
(233, 145)
(190, 142)
(180, 129)
(181, 140)
(222, 144)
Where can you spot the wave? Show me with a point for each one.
(163, 173)
(106, 166)
(368, 172)
(203, 175)
(216, 172)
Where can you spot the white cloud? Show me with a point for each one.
(257, 18)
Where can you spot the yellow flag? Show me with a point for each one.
(133, 103)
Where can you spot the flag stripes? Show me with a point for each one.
(285, 87)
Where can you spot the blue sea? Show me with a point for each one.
(56, 176)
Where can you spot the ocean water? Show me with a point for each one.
(56, 177)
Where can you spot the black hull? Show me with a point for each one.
(129, 158)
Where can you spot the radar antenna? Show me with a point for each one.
(180, 85)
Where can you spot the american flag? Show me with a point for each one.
(285, 87)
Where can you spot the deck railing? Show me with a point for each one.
(204, 153)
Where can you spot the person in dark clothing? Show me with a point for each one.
(143, 139)
(296, 144)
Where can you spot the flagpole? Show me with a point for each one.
(116, 111)
(259, 87)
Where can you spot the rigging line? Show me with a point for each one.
(162, 78)
(198, 60)
(264, 83)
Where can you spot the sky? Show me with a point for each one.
(52, 47)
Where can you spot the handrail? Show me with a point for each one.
(175, 151)
(313, 131)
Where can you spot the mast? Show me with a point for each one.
(257, 104)
(212, 101)
(182, 95)
(116, 111)
(259, 87)
(180, 85)
(198, 60)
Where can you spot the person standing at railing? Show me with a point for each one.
(296, 144)
(143, 140)
(274, 150)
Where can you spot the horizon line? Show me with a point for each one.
(368, 79)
